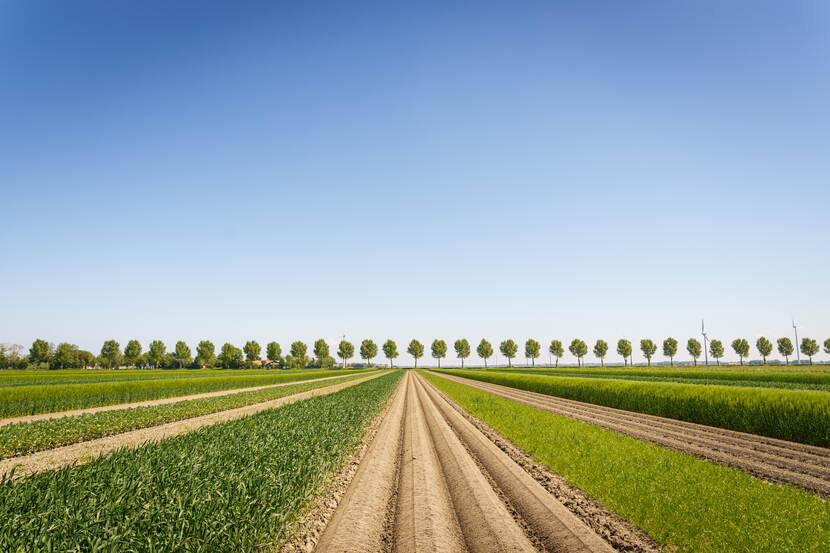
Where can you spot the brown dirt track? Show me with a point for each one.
(430, 481)
(801, 465)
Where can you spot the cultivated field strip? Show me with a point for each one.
(431, 481)
(151, 402)
(802, 465)
(87, 451)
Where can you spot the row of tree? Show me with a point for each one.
(45, 355)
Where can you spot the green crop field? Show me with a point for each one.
(230, 487)
(81, 376)
(797, 415)
(47, 398)
(683, 502)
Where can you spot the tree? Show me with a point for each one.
(624, 349)
(694, 349)
(155, 354)
(438, 350)
(321, 351)
(556, 350)
(182, 354)
(508, 348)
(39, 352)
(273, 352)
(764, 347)
(252, 351)
(649, 348)
(416, 350)
(809, 347)
(345, 351)
(368, 350)
(110, 354)
(484, 350)
(716, 349)
(132, 353)
(579, 349)
(390, 350)
(66, 356)
(532, 350)
(785, 348)
(86, 358)
(601, 350)
(298, 354)
(230, 356)
(462, 349)
(827, 346)
(205, 352)
(741, 347)
(670, 349)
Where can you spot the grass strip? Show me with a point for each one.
(795, 415)
(679, 500)
(31, 400)
(230, 487)
(28, 437)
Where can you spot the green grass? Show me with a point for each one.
(33, 399)
(231, 487)
(796, 415)
(81, 376)
(28, 437)
(679, 500)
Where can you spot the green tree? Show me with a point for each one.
(484, 350)
(273, 352)
(181, 353)
(578, 349)
(462, 349)
(132, 353)
(345, 351)
(716, 350)
(694, 349)
(155, 354)
(556, 350)
(230, 357)
(66, 356)
(205, 354)
(252, 351)
(39, 352)
(416, 350)
(670, 349)
(827, 346)
(785, 348)
(368, 350)
(321, 352)
(110, 354)
(86, 359)
(649, 348)
(809, 347)
(390, 350)
(508, 348)
(601, 350)
(532, 350)
(624, 349)
(298, 355)
(438, 350)
(741, 347)
(764, 347)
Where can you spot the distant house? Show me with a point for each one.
(265, 363)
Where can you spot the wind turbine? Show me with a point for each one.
(705, 342)
(797, 349)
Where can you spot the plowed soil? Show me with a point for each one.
(801, 465)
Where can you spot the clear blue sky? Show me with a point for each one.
(286, 171)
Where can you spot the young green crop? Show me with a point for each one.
(232, 487)
(689, 504)
(797, 415)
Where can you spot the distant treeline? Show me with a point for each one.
(44, 355)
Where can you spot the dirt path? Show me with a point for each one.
(430, 481)
(805, 466)
(87, 451)
(117, 406)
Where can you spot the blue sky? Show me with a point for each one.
(467, 169)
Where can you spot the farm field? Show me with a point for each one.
(793, 415)
(52, 397)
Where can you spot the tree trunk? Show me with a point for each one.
(695, 361)
(509, 365)
(671, 360)
(602, 361)
(533, 361)
(462, 362)
(439, 363)
(557, 361)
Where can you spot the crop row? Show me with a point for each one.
(229, 487)
(29, 400)
(28, 437)
(89, 376)
(797, 415)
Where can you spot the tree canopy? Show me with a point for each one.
(741, 347)
(624, 349)
(785, 348)
(416, 350)
(764, 347)
(368, 350)
(601, 350)
(694, 349)
(462, 349)
(508, 348)
(438, 350)
(484, 350)
(557, 350)
(670, 349)
(390, 350)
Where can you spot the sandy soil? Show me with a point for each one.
(87, 451)
(431, 481)
(805, 466)
(114, 407)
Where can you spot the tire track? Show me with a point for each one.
(801, 465)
